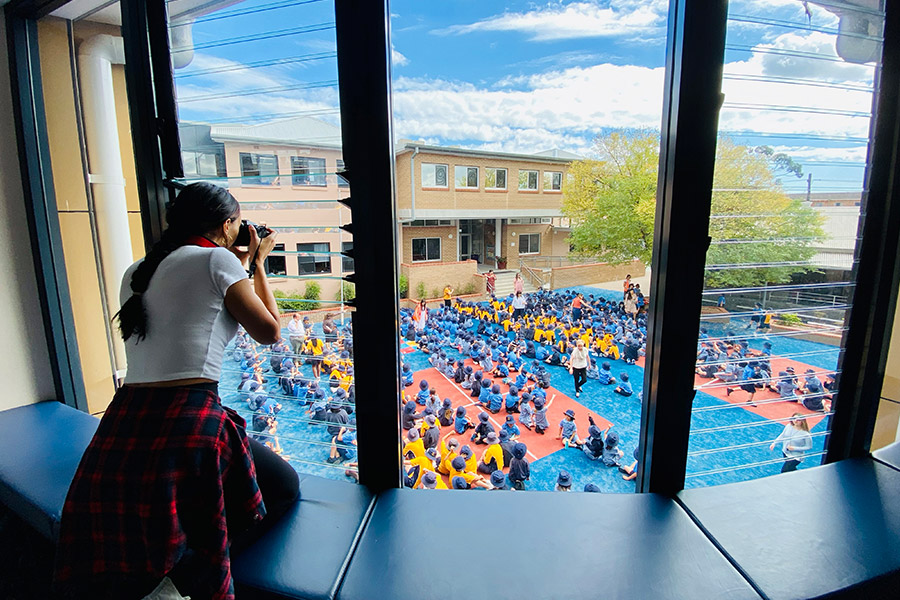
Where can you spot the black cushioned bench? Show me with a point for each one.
(501, 545)
(831, 531)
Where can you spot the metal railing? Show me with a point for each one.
(533, 275)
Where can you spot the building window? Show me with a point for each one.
(552, 181)
(346, 261)
(465, 178)
(275, 265)
(528, 180)
(529, 243)
(339, 168)
(434, 176)
(259, 169)
(424, 249)
(495, 179)
(307, 171)
(530, 221)
(430, 223)
(314, 258)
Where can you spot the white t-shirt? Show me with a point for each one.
(296, 329)
(187, 324)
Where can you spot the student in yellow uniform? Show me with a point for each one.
(414, 447)
(448, 451)
(430, 481)
(458, 469)
(492, 458)
(314, 350)
(538, 334)
(471, 462)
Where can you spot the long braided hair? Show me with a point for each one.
(199, 209)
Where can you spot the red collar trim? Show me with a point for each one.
(199, 240)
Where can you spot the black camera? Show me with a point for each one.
(243, 237)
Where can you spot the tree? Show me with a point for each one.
(611, 201)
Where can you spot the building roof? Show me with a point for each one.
(296, 131)
(454, 151)
(557, 153)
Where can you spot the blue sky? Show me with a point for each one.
(526, 77)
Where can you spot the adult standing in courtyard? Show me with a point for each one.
(631, 308)
(490, 282)
(420, 316)
(795, 440)
(518, 284)
(296, 333)
(578, 363)
(518, 306)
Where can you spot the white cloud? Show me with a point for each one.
(555, 21)
(397, 59)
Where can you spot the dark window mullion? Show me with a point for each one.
(691, 97)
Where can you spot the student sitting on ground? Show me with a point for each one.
(519, 469)
(624, 387)
(568, 430)
(483, 428)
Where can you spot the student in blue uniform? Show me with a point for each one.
(605, 376)
(485, 391)
(624, 387)
(407, 376)
(461, 423)
(483, 428)
(424, 393)
(495, 399)
(445, 413)
(511, 429)
(519, 469)
(541, 424)
(568, 430)
(526, 411)
(512, 400)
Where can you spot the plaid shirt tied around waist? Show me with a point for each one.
(169, 470)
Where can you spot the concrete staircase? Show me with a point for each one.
(505, 281)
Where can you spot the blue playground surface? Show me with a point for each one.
(746, 434)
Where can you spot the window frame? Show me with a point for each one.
(537, 180)
(530, 236)
(468, 169)
(505, 179)
(281, 258)
(695, 53)
(551, 189)
(422, 185)
(346, 260)
(412, 254)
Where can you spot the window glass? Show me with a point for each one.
(339, 168)
(529, 243)
(346, 261)
(308, 171)
(434, 175)
(791, 164)
(528, 180)
(535, 92)
(552, 181)
(495, 178)
(424, 249)
(314, 258)
(465, 177)
(275, 262)
(259, 169)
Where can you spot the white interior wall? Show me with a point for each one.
(25, 367)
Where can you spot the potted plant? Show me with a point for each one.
(501, 262)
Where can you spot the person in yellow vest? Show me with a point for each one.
(448, 296)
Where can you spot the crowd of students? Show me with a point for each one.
(273, 375)
(512, 345)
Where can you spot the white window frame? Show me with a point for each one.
(426, 259)
(529, 236)
(468, 174)
(259, 180)
(548, 184)
(307, 175)
(537, 180)
(434, 175)
(496, 170)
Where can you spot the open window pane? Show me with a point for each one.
(788, 199)
(257, 96)
(553, 150)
